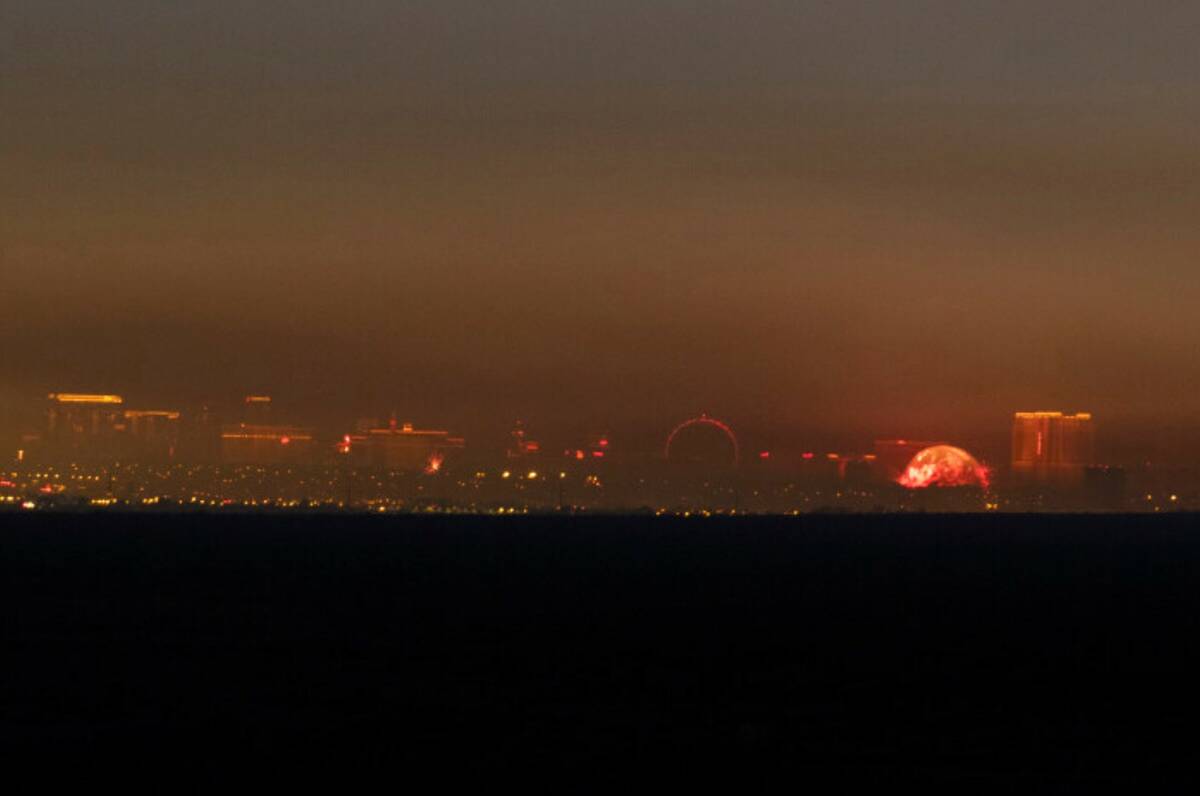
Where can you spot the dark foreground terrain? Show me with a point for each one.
(1006, 648)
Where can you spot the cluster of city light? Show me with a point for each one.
(941, 466)
(250, 488)
(426, 481)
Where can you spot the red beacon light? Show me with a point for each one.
(285, 440)
(765, 455)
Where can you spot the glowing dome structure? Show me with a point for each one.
(943, 466)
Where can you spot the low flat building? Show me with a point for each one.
(247, 443)
(402, 447)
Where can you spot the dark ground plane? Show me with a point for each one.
(1023, 649)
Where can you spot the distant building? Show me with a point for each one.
(257, 409)
(855, 468)
(819, 467)
(522, 445)
(83, 426)
(595, 447)
(200, 436)
(1052, 447)
(153, 434)
(402, 447)
(944, 467)
(247, 443)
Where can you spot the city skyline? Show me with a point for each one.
(95, 451)
(1142, 444)
(253, 417)
(1053, 456)
(1125, 438)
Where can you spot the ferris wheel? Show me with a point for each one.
(704, 420)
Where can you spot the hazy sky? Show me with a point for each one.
(888, 217)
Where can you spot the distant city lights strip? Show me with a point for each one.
(81, 398)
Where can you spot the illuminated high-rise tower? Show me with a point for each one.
(1052, 447)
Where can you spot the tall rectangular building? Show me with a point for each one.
(1052, 447)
